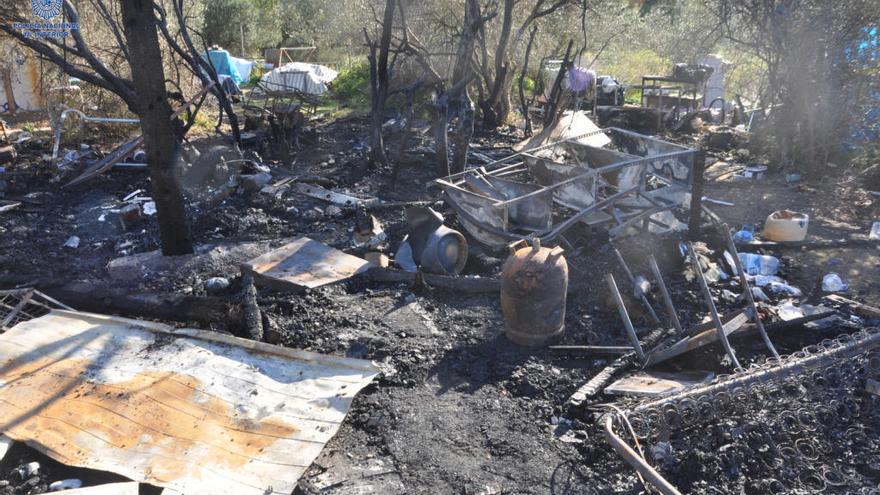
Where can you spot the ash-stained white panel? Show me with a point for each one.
(194, 411)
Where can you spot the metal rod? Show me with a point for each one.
(667, 299)
(621, 308)
(632, 280)
(747, 290)
(637, 462)
(695, 263)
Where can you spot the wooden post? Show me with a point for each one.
(697, 195)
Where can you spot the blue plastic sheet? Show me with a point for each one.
(223, 64)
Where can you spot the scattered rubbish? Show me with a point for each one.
(132, 195)
(72, 242)
(195, 411)
(718, 201)
(744, 236)
(368, 232)
(339, 199)
(755, 172)
(215, 285)
(8, 205)
(655, 383)
(65, 484)
(757, 264)
(786, 226)
(534, 281)
(642, 287)
(759, 294)
(149, 208)
(792, 178)
(431, 245)
(787, 311)
(304, 263)
(378, 259)
(129, 215)
(833, 283)
(29, 469)
(255, 182)
(875, 232)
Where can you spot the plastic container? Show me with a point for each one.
(833, 283)
(875, 231)
(744, 236)
(786, 225)
(756, 264)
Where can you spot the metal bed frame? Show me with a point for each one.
(514, 198)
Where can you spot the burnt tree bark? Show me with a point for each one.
(524, 104)
(148, 81)
(378, 59)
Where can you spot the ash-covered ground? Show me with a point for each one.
(459, 409)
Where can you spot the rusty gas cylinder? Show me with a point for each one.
(534, 281)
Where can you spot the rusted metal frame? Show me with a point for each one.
(645, 213)
(540, 148)
(698, 271)
(601, 170)
(17, 309)
(664, 291)
(624, 315)
(632, 280)
(747, 291)
(567, 224)
(635, 460)
(546, 234)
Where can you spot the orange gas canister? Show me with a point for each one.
(534, 282)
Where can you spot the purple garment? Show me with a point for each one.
(580, 79)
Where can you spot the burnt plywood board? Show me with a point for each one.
(193, 411)
(304, 263)
(654, 383)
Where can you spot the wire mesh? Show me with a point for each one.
(21, 305)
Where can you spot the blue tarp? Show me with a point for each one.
(224, 65)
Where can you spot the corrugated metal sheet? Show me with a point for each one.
(195, 411)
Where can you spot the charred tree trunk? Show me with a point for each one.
(441, 143)
(379, 84)
(148, 80)
(553, 103)
(464, 130)
(496, 107)
(522, 94)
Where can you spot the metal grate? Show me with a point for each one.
(20, 305)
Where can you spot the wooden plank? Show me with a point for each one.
(863, 310)
(654, 383)
(195, 411)
(699, 340)
(304, 263)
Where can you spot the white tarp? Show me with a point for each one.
(300, 76)
(194, 411)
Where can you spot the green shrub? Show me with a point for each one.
(352, 86)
